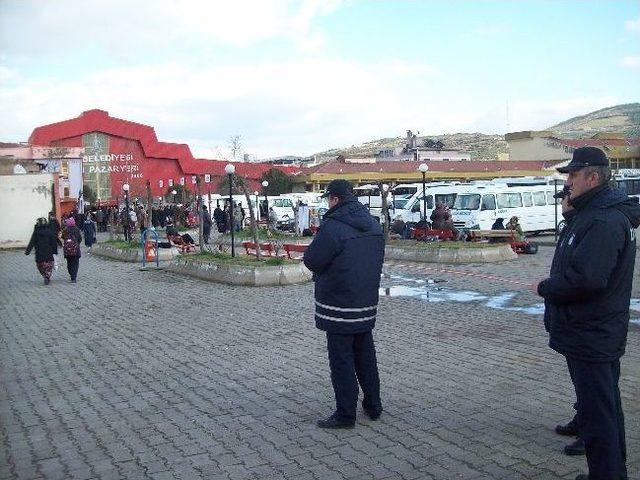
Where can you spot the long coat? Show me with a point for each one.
(45, 243)
(588, 290)
(89, 230)
(346, 259)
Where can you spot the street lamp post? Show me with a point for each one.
(265, 184)
(556, 177)
(230, 169)
(127, 219)
(423, 167)
(256, 193)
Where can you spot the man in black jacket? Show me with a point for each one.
(587, 299)
(346, 259)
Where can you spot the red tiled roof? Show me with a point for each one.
(434, 166)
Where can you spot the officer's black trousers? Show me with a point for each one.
(352, 359)
(600, 418)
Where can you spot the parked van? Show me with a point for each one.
(412, 209)
(480, 205)
(368, 195)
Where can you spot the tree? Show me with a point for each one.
(235, 146)
(223, 185)
(182, 193)
(279, 182)
(89, 195)
(239, 185)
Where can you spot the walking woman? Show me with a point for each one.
(71, 238)
(45, 243)
(89, 230)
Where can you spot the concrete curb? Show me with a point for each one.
(130, 255)
(435, 254)
(263, 276)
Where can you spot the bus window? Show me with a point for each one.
(488, 202)
(509, 200)
(418, 205)
(527, 201)
(446, 198)
(286, 202)
(400, 190)
(277, 202)
(551, 200)
(467, 202)
(538, 199)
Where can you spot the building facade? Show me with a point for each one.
(115, 152)
(623, 153)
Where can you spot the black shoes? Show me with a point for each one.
(575, 448)
(373, 414)
(569, 430)
(334, 423)
(47, 281)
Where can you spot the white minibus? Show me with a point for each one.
(411, 209)
(481, 205)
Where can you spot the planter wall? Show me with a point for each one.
(435, 254)
(130, 255)
(287, 274)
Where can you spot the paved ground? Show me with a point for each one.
(131, 374)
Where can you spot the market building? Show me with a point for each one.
(116, 151)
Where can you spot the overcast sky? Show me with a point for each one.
(298, 77)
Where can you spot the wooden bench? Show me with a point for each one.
(266, 249)
(420, 233)
(296, 248)
(507, 235)
(182, 246)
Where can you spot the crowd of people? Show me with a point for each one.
(586, 295)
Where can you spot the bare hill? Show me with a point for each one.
(623, 119)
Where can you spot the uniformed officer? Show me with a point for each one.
(346, 258)
(587, 296)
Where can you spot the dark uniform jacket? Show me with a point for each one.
(589, 288)
(45, 243)
(346, 258)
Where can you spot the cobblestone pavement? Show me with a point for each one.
(150, 375)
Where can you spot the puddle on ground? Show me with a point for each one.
(431, 291)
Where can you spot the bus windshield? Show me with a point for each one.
(399, 203)
(467, 202)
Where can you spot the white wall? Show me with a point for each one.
(23, 198)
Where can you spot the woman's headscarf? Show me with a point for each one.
(42, 222)
(70, 222)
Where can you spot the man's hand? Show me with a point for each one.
(534, 285)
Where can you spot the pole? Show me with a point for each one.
(424, 197)
(266, 209)
(127, 219)
(369, 204)
(200, 213)
(555, 209)
(149, 205)
(233, 247)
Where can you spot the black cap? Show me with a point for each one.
(338, 188)
(585, 157)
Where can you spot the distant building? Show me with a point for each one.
(544, 145)
(317, 177)
(422, 149)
